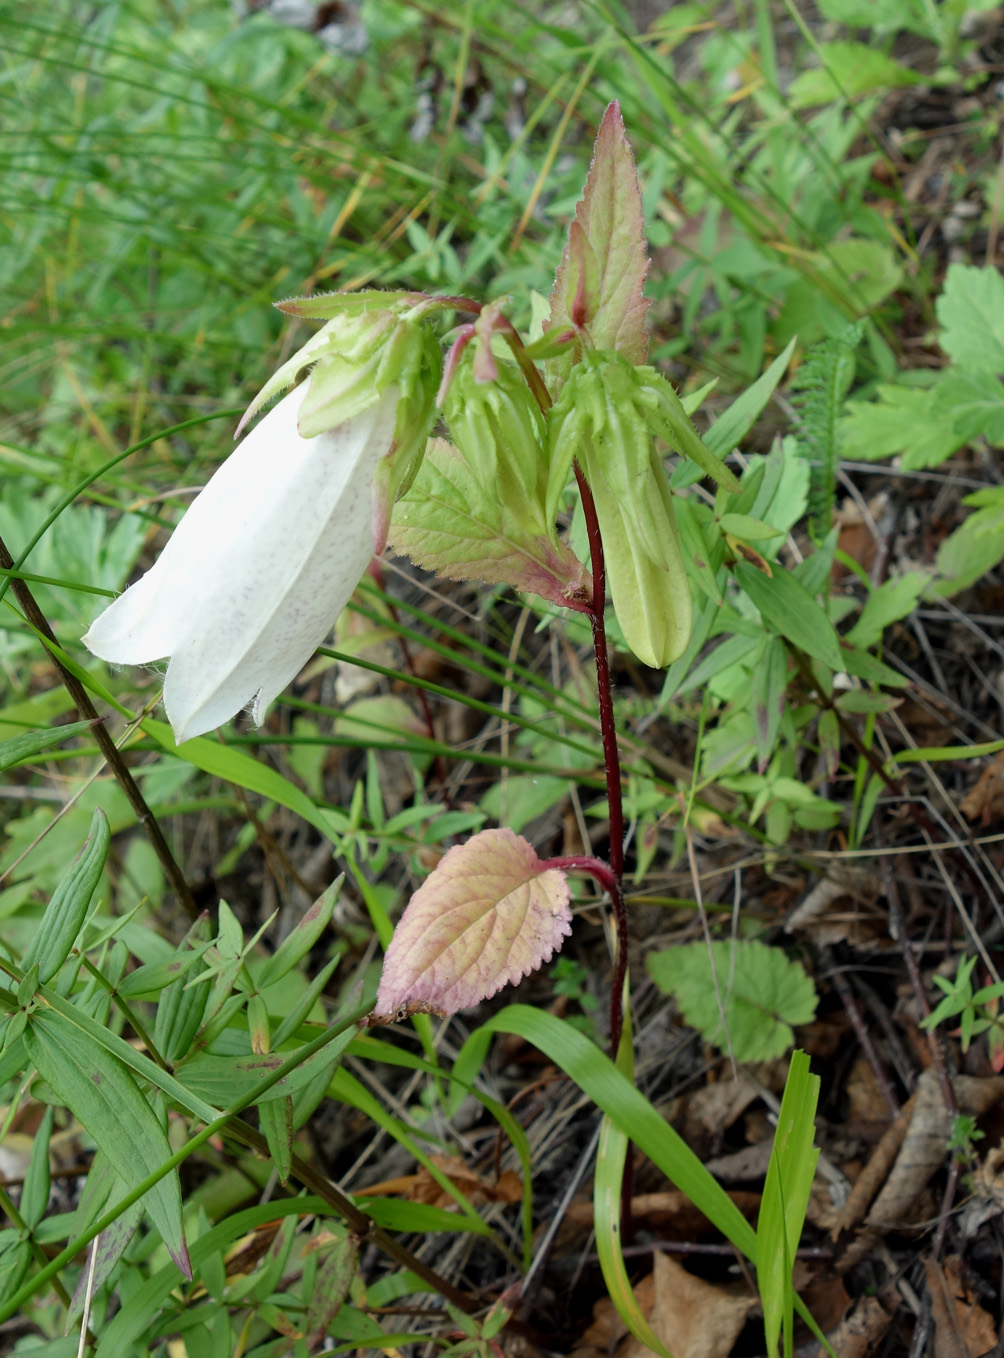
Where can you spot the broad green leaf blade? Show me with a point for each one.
(602, 272)
(37, 1181)
(488, 915)
(20, 748)
(763, 994)
(787, 607)
(233, 767)
(611, 1156)
(65, 914)
(786, 1199)
(598, 1077)
(106, 1101)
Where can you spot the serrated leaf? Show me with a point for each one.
(788, 608)
(974, 548)
(65, 914)
(970, 404)
(900, 420)
(106, 1101)
(449, 523)
(487, 916)
(598, 287)
(971, 313)
(893, 600)
(763, 994)
(19, 748)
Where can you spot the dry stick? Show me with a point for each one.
(898, 922)
(860, 1031)
(87, 710)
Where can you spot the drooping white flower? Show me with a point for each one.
(259, 567)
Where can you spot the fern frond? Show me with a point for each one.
(818, 391)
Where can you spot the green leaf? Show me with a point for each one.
(37, 1181)
(762, 994)
(973, 549)
(786, 1199)
(302, 939)
(20, 748)
(731, 427)
(331, 1288)
(451, 524)
(851, 69)
(900, 420)
(65, 914)
(233, 767)
(894, 599)
(275, 1119)
(106, 1101)
(788, 608)
(768, 698)
(602, 271)
(971, 312)
(488, 915)
(970, 404)
(225, 1080)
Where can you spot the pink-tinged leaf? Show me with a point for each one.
(452, 524)
(598, 288)
(488, 915)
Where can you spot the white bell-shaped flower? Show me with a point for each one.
(259, 567)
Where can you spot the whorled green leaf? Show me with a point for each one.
(107, 1102)
(65, 914)
(894, 599)
(488, 915)
(224, 1080)
(761, 992)
(331, 1287)
(451, 524)
(102, 1189)
(299, 941)
(275, 1119)
(788, 608)
(598, 287)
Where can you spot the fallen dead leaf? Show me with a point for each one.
(984, 802)
(694, 1319)
(422, 1187)
(962, 1328)
(858, 1335)
(670, 1213)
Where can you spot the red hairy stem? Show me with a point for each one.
(611, 758)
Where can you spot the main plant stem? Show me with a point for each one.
(611, 759)
(86, 709)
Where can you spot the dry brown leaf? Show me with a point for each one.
(671, 1214)
(984, 802)
(962, 1328)
(922, 1153)
(858, 1334)
(874, 1173)
(714, 1108)
(692, 1318)
(422, 1187)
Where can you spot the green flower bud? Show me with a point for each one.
(501, 431)
(362, 353)
(604, 419)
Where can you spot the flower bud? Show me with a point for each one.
(602, 419)
(501, 431)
